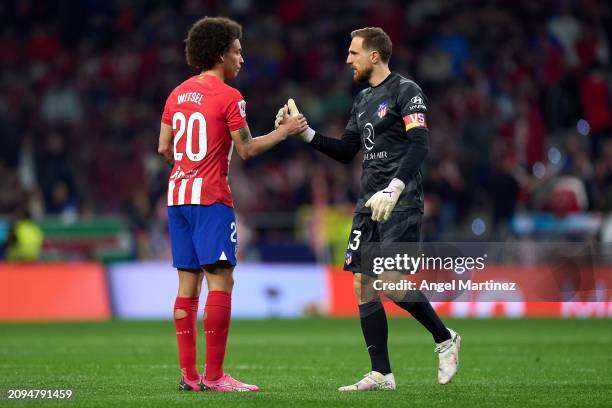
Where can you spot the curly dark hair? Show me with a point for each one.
(374, 38)
(208, 38)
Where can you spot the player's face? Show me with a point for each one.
(232, 60)
(359, 60)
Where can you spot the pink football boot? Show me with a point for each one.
(228, 384)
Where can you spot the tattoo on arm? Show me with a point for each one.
(245, 135)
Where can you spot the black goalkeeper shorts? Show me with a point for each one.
(402, 226)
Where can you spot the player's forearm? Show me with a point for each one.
(262, 144)
(415, 156)
(342, 150)
(165, 147)
(168, 155)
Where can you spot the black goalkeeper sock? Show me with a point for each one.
(419, 307)
(375, 330)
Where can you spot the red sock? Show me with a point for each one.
(216, 327)
(186, 335)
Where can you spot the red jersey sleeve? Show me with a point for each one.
(235, 111)
(166, 117)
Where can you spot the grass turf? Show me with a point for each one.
(299, 363)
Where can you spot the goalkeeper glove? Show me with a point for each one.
(306, 135)
(383, 202)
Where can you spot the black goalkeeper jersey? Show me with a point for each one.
(382, 116)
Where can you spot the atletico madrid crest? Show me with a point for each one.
(349, 258)
(383, 108)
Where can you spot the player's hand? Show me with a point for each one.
(308, 133)
(383, 201)
(279, 116)
(292, 125)
(293, 111)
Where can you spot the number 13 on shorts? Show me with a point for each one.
(355, 240)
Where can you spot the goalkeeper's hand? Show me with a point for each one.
(383, 201)
(306, 135)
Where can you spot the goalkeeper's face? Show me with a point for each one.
(360, 60)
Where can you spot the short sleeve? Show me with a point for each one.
(235, 112)
(412, 104)
(166, 116)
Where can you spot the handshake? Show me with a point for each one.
(289, 114)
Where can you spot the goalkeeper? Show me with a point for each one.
(388, 119)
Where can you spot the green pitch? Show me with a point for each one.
(299, 363)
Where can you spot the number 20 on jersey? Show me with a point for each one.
(179, 124)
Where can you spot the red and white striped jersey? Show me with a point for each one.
(202, 111)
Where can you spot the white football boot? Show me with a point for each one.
(372, 381)
(448, 354)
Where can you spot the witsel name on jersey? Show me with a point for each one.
(194, 97)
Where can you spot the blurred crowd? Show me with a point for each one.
(520, 107)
